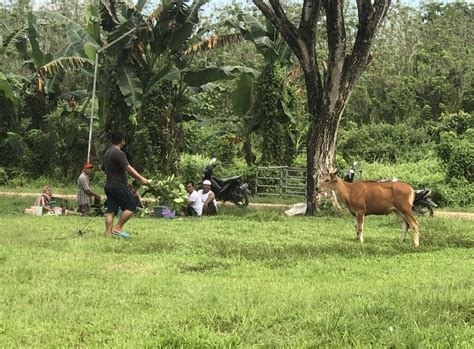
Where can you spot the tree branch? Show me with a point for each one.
(370, 20)
(277, 16)
(337, 49)
(310, 14)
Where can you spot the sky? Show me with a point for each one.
(208, 8)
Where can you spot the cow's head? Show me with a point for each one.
(328, 182)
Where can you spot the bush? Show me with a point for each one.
(3, 176)
(457, 153)
(384, 143)
(425, 173)
(459, 192)
(190, 167)
(168, 191)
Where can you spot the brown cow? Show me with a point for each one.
(378, 198)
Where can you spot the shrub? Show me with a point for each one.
(190, 167)
(168, 191)
(459, 192)
(457, 153)
(3, 176)
(384, 142)
(425, 173)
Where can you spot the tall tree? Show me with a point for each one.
(328, 83)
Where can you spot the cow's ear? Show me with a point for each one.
(333, 173)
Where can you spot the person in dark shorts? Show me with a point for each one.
(134, 186)
(116, 187)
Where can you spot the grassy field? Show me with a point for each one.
(248, 278)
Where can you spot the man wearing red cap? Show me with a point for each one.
(84, 193)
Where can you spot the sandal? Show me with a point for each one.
(121, 234)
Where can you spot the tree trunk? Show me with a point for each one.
(247, 149)
(314, 110)
(321, 149)
(328, 94)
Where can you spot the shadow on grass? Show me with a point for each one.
(201, 267)
(348, 248)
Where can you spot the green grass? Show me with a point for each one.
(248, 278)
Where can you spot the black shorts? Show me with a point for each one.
(119, 198)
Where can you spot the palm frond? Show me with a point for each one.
(108, 18)
(156, 13)
(15, 37)
(62, 64)
(214, 42)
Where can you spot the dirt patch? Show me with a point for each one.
(460, 215)
(34, 195)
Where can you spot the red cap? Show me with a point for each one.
(87, 165)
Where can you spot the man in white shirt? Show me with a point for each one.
(208, 199)
(194, 207)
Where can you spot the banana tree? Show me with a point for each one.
(147, 53)
(154, 69)
(40, 88)
(263, 115)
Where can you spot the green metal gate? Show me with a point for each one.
(280, 181)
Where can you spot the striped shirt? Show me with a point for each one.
(82, 186)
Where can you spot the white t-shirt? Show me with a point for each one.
(204, 196)
(194, 200)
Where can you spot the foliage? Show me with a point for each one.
(459, 193)
(385, 142)
(191, 167)
(458, 155)
(456, 145)
(275, 122)
(168, 191)
(423, 173)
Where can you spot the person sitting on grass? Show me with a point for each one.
(194, 207)
(45, 202)
(208, 199)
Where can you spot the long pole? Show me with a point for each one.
(96, 66)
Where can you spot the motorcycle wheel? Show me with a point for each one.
(422, 211)
(241, 198)
(430, 212)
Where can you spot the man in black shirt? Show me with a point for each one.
(116, 186)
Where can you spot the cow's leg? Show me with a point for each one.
(404, 226)
(360, 226)
(413, 224)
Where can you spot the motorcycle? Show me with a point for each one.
(350, 174)
(229, 189)
(422, 203)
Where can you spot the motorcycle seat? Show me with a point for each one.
(422, 193)
(224, 181)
